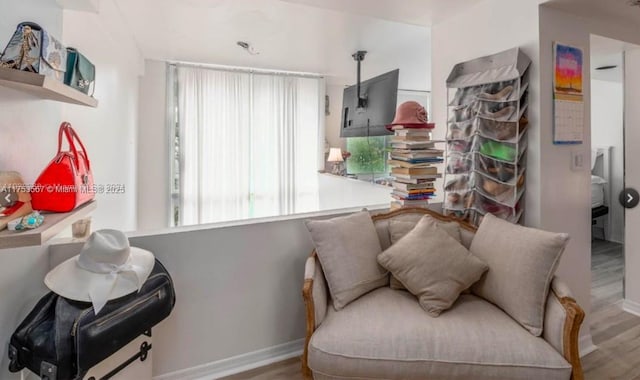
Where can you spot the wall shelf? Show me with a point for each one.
(44, 87)
(53, 224)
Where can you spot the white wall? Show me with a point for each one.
(29, 131)
(109, 131)
(607, 116)
(153, 149)
(469, 36)
(566, 194)
(30, 125)
(21, 273)
(243, 294)
(25, 121)
(566, 204)
(333, 121)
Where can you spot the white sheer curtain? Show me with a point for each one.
(284, 142)
(248, 144)
(214, 123)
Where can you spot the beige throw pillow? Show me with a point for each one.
(522, 262)
(432, 265)
(399, 228)
(347, 247)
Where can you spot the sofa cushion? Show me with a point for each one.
(432, 265)
(386, 335)
(521, 262)
(399, 228)
(382, 228)
(347, 248)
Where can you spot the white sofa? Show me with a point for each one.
(385, 334)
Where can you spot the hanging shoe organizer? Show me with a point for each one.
(487, 137)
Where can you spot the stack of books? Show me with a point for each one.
(412, 160)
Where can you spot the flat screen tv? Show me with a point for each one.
(380, 95)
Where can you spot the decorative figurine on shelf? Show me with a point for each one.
(15, 199)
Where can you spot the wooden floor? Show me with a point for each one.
(607, 270)
(616, 333)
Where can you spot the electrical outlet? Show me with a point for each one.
(577, 161)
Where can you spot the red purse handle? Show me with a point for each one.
(71, 135)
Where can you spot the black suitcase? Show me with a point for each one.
(62, 339)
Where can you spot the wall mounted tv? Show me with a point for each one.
(367, 114)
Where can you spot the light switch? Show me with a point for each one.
(577, 161)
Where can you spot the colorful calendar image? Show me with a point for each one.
(568, 106)
(568, 70)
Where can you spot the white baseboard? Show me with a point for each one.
(585, 343)
(631, 307)
(237, 364)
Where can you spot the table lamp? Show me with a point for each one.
(335, 156)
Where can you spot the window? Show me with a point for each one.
(246, 144)
(368, 155)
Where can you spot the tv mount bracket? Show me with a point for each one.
(359, 57)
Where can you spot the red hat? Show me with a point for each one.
(410, 115)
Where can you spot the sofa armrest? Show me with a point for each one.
(317, 291)
(315, 295)
(562, 321)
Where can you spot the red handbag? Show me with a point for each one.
(67, 182)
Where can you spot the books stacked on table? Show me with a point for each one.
(412, 161)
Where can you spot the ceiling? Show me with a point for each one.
(320, 35)
(617, 11)
(293, 35)
(417, 12)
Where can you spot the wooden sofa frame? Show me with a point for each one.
(573, 320)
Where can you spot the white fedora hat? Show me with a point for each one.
(106, 268)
